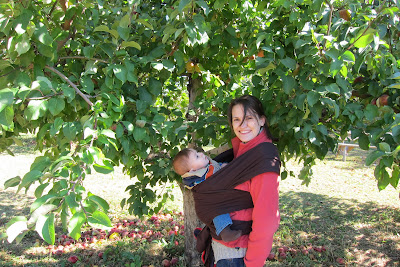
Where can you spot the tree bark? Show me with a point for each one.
(192, 257)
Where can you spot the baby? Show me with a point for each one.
(195, 167)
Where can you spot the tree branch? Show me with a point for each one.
(369, 26)
(43, 97)
(330, 16)
(80, 57)
(65, 78)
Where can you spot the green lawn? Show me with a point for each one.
(340, 219)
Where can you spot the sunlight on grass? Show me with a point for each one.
(341, 215)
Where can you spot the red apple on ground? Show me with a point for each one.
(340, 260)
(282, 255)
(73, 259)
(174, 261)
(166, 263)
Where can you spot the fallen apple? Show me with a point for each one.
(73, 259)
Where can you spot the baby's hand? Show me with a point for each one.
(224, 164)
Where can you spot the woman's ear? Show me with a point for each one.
(262, 120)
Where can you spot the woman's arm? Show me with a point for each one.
(264, 189)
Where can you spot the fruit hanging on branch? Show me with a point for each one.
(383, 100)
(345, 14)
(192, 67)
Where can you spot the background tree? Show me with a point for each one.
(110, 83)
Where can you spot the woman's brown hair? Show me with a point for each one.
(252, 104)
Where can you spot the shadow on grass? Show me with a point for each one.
(13, 204)
(363, 233)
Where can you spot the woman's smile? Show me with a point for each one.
(248, 126)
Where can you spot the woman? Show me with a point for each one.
(249, 123)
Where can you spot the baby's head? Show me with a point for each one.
(188, 160)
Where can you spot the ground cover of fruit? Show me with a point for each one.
(340, 219)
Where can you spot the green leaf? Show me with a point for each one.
(103, 28)
(394, 181)
(70, 131)
(395, 85)
(45, 228)
(75, 224)
(158, 118)
(6, 98)
(155, 86)
(131, 44)
(363, 142)
(395, 76)
(29, 178)
(204, 6)
(289, 63)
(373, 156)
(104, 169)
(145, 96)
(15, 227)
(145, 23)
(371, 112)
(348, 56)
(289, 84)
(312, 98)
(35, 109)
(124, 33)
(42, 34)
(39, 190)
(128, 126)
(20, 24)
(71, 201)
(108, 133)
(7, 116)
(120, 72)
(23, 45)
(183, 4)
(384, 179)
(40, 212)
(139, 134)
(100, 201)
(41, 201)
(333, 88)
(99, 220)
(365, 39)
(125, 21)
(56, 105)
(87, 84)
(69, 92)
(12, 182)
(384, 147)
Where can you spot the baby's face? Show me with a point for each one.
(197, 160)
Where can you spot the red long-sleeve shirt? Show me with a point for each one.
(264, 190)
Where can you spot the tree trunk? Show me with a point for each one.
(192, 257)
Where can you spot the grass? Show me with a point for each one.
(340, 219)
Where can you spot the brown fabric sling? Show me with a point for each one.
(216, 195)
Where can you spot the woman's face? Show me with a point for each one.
(248, 128)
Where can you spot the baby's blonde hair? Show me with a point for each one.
(181, 162)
